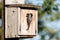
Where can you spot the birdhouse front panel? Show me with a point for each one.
(28, 22)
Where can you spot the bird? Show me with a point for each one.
(29, 19)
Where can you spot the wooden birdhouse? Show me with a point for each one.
(21, 20)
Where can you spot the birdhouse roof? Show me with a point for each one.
(23, 6)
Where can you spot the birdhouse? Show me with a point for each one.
(21, 20)
(14, 1)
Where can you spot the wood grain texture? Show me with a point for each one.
(23, 6)
(33, 26)
(16, 22)
(19, 21)
(11, 22)
(14, 1)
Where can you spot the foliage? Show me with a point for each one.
(47, 8)
(0, 10)
(57, 15)
(0, 32)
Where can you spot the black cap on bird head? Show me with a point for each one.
(29, 14)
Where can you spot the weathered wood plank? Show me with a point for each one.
(14, 12)
(26, 6)
(36, 31)
(11, 23)
(24, 26)
(19, 21)
(6, 22)
(14, 1)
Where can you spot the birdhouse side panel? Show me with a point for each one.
(11, 22)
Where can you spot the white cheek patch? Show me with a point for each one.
(30, 17)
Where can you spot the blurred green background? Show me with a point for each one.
(0, 19)
(48, 19)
